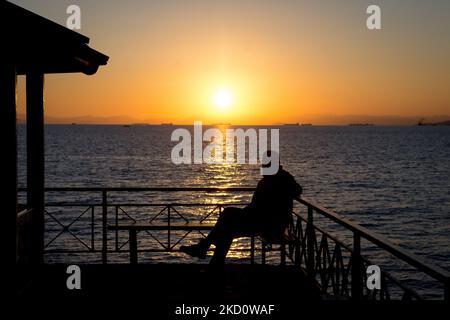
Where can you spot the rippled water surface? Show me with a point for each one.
(393, 180)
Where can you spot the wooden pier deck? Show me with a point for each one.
(159, 289)
(177, 283)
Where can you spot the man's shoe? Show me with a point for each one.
(195, 250)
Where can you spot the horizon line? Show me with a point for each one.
(234, 125)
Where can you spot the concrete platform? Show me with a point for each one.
(161, 288)
(176, 282)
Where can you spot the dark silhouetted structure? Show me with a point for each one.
(32, 46)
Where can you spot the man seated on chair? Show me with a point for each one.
(268, 215)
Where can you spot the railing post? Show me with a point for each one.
(92, 228)
(283, 254)
(298, 239)
(252, 249)
(168, 228)
(263, 252)
(116, 221)
(447, 291)
(356, 268)
(310, 244)
(133, 246)
(104, 227)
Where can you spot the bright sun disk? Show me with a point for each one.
(223, 99)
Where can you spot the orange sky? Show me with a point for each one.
(287, 61)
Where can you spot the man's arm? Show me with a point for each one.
(297, 189)
(294, 188)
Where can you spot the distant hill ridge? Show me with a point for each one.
(309, 119)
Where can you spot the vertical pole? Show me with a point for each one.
(263, 252)
(133, 246)
(35, 161)
(298, 239)
(92, 229)
(117, 229)
(356, 268)
(447, 291)
(252, 249)
(104, 227)
(168, 227)
(283, 254)
(8, 169)
(310, 243)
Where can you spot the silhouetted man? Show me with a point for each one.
(268, 215)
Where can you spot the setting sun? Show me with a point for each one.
(223, 99)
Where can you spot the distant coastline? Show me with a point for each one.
(313, 120)
(443, 123)
(361, 124)
(298, 124)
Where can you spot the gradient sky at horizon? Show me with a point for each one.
(284, 61)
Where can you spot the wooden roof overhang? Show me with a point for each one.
(34, 43)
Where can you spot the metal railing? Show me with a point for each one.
(347, 277)
(338, 268)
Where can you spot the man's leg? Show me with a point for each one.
(226, 224)
(237, 223)
(221, 235)
(220, 252)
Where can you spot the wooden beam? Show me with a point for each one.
(8, 169)
(35, 161)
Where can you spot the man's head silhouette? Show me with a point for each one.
(270, 163)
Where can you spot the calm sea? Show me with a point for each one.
(393, 180)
